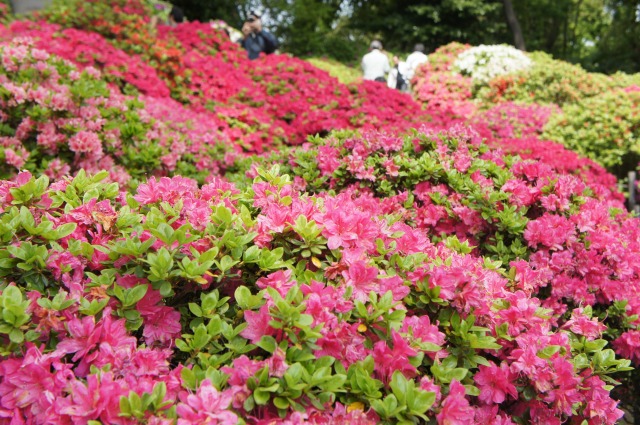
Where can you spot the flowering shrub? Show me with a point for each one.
(484, 63)
(514, 120)
(126, 22)
(598, 118)
(57, 120)
(90, 49)
(605, 128)
(444, 92)
(562, 160)
(547, 81)
(266, 304)
(277, 99)
(397, 276)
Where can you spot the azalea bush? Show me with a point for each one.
(605, 128)
(275, 100)
(57, 119)
(484, 63)
(515, 120)
(592, 114)
(546, 81)
(125, 22)
(442, 263)
(271, 304)
(129, 72)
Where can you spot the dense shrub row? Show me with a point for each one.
(598, 116)
(275, 100)
(444, 263)
(57, 120)
(320, 308)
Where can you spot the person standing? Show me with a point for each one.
(375, 64)
(415, 59)
(176, 16)
(256, 40)
(397, 78)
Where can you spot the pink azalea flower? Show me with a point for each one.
(455, 407)
(388, 360)
(257, 324)
(208, 406)
(362, 278)
(582, 325)
(495, 383)
(628, 346)
(99, 399)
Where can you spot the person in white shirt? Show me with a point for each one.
(397, 78)
(415, 59)
(375, 64)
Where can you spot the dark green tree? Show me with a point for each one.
(232, 12)
(565, 28)
(402, 23)
(310, 27)
(618, 46)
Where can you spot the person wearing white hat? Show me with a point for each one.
(375, 64)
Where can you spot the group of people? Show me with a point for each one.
(375, 66)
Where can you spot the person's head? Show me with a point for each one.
(176, 15)
(253, 16)
(254, 21)
(375, 44)
(419, 48)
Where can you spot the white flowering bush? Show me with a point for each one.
(483, 63)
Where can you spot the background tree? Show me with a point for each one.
(402, 23)
(618, 44)
(514, 25)
(601, 35)
(311, 27)
(567, 29)
(232, 12)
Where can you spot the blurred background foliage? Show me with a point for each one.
(600, 35)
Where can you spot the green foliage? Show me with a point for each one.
(605, 128)
(345, 74)
(618, 44)
(567, 29)
(547, 81)
(402, 24)
(13, 316)
(107, 19)
(406, 404)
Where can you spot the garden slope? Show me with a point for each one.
(399, 275)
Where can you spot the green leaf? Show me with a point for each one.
(267, 343)
(133, 295)
(16, 336)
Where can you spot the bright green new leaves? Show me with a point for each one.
(13, 317)
(407, 404)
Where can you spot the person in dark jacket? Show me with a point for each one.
(176, 16)
(256, 39)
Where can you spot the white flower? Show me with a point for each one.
(483, 63)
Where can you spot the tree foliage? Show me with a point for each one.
(400, 24)
(601, 35)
